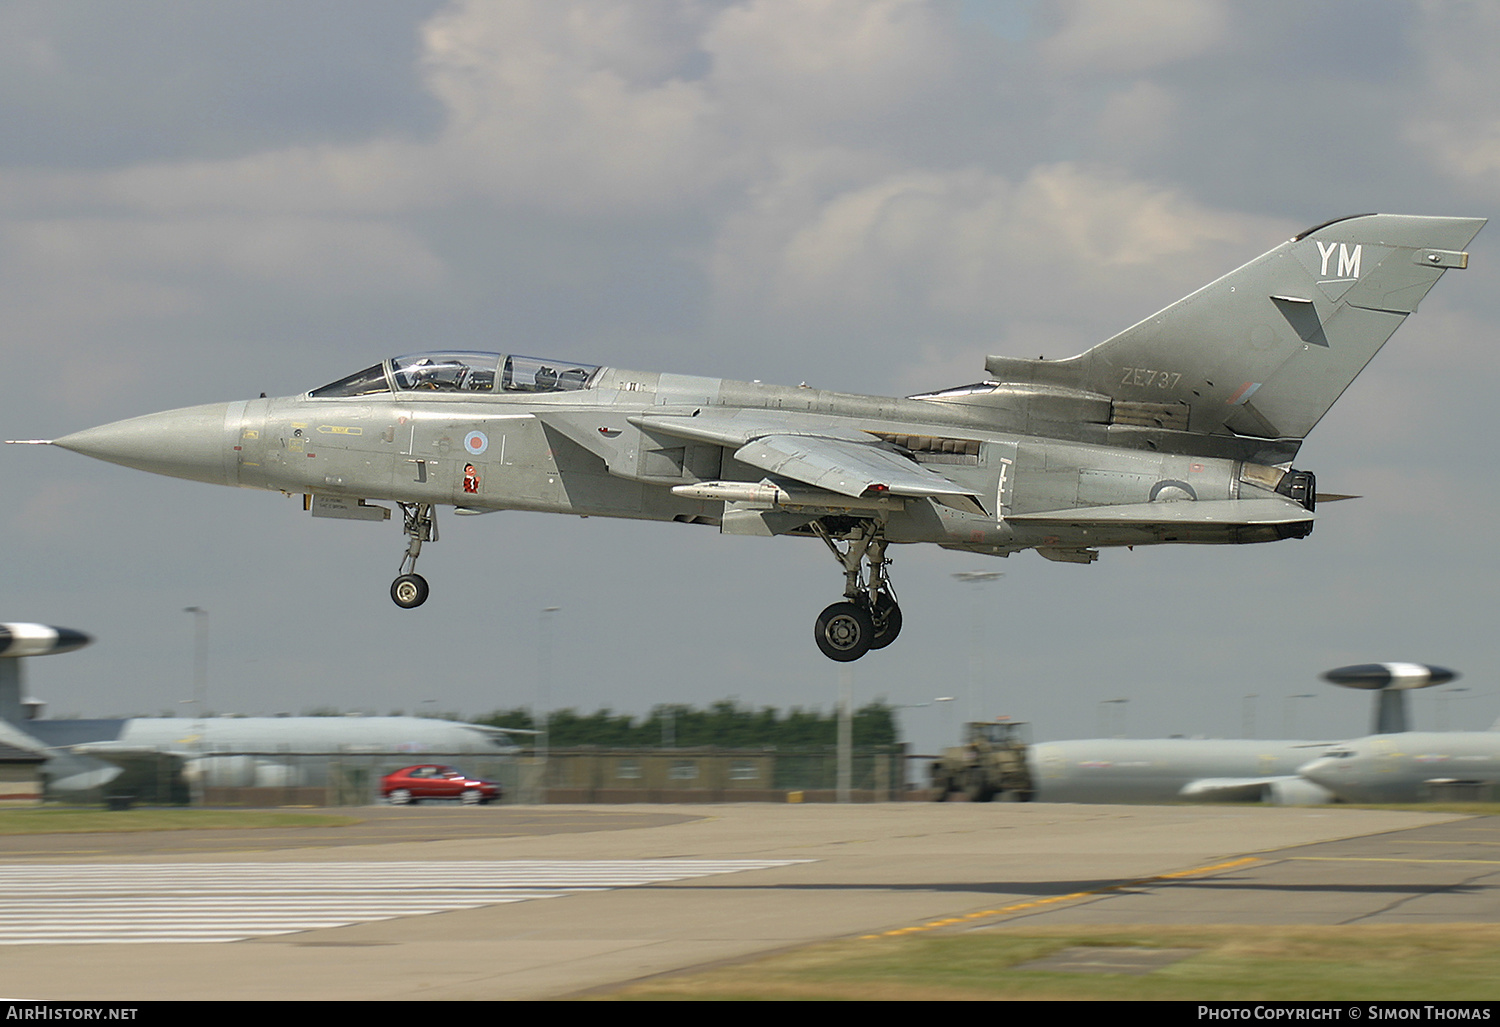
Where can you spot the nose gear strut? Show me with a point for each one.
(871, 617)
(420, 524)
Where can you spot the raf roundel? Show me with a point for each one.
(476, 443)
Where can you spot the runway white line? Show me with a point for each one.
(71, 904)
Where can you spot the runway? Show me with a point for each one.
(508, 906)
(223, 902)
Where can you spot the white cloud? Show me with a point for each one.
(578, 108)
(794, 68)
(1456, 119)
(1137, 120)
(1109, 37)
(312, 255)
(609, 109)
(962, 253)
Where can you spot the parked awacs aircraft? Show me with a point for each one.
(1182, 428)
(1282, 772)
(240, 751)
(84, 755)
(1177, 770)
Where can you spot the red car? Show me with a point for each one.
(433, 781)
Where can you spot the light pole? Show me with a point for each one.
(544, 695)
(200, 687)
(846, 731)
(901, 778)
(952, 727)
(978, 579)
(1104, 718)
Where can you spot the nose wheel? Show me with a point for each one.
(410, 589)
(869, 617)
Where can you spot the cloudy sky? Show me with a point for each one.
(205, 201)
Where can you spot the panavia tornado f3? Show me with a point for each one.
(1181, 428)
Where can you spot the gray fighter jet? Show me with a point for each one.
(1182, 428)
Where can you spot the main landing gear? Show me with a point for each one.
(869, 618)
(410, 589)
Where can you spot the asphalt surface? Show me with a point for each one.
(378, 825)
(505, 903)
(1446, 873)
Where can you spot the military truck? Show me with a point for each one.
(991, 762)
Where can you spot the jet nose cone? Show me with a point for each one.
(1325, 771)
(195, 443)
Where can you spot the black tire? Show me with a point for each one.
(941, 786)
(887, 619)
(400, 797)
(977, 788)
(409, 591)
(471, 797)
(844, 632)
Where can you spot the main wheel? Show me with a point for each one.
(409, 591)
(400, 797)
(978, 788)
(887, 619)
(471, 797)
(844, 632)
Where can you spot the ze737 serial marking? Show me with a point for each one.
(1145, 378)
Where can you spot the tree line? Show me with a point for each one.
(725, 724)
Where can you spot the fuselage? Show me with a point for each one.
(1168, 769)
(593, 445)
(243, 750)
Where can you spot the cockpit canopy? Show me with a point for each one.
(464, 372)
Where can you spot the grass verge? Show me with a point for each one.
(1452, 962)
(74, 821)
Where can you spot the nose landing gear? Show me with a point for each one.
(420, 523)
(870, 617)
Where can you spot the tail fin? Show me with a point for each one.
(1267, 349)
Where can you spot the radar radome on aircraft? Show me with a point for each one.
(1181, 429)
(1392, 681)
(22, 640)
(39, 640)
(1253, 770)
